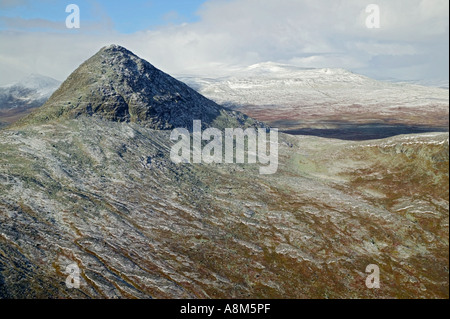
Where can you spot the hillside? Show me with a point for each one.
(87, 180)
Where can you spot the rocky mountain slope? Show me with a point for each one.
(117, 85)
(98, 189)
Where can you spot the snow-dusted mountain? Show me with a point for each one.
(117, 85)
(291, 97)
(278, 84)
(87, 184)
(32, 91)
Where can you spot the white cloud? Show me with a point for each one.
(412, 42)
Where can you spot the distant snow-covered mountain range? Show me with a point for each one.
(29, 92)
(20, 98)
(291, 97)
(278, 84)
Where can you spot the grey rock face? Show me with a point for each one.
(117, 85)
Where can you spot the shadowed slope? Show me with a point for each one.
(117, 85)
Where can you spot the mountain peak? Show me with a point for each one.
(114, 50)
(117, 85)
(113, 47)
(38, 82)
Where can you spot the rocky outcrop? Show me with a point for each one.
(117, 85)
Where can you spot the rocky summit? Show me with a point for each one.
(117, 85)
(88, 191)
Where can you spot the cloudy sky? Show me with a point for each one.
(209, 37)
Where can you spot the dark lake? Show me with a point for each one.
(361, 132)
